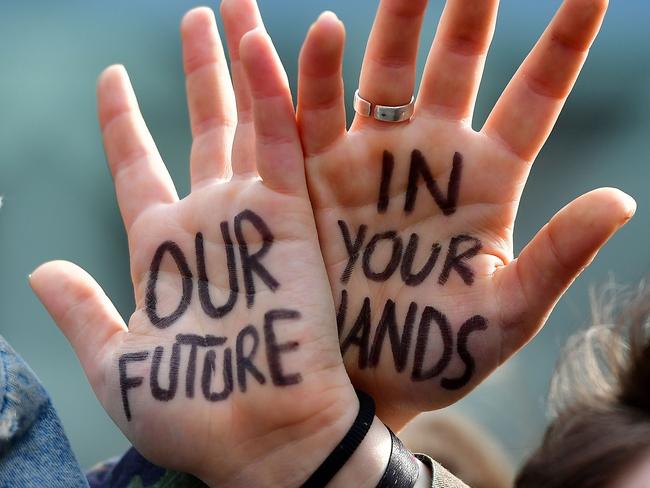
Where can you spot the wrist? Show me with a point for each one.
(291, 453)
(307, 446)
(367, 464)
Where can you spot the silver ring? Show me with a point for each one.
(385, 113)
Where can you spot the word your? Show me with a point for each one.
(454, 261)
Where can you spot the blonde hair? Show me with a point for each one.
(599, 400)
(599, 364)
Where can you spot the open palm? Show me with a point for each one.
(230, 361)
(415, 219)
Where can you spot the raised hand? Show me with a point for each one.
(415, 219)
(230, 367)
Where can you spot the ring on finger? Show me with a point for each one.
(384, 113)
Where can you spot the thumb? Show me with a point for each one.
(530, 286)
(82, 311)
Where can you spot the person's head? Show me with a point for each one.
(599, 435)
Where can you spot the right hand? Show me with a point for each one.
(416, 219)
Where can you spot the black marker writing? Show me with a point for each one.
(238, 361)
(368, 356)
(359, 335)
(204, 285)
(415, 279)
(381, 272)
(474, 324)
(342, 311)
(353, 248)
(209, 368)
(420, 169)
(245, 361)
(251, 267)
(162, 394)
(273, 349)
(428, 315)
(392, 265)
(186, 275)
(128, 382)
(251, 262)
(456, 262)
(195, 341)
(399, 343)
(461, 249)
(388, 163)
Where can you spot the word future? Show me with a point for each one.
(237, 361)
(459, 251)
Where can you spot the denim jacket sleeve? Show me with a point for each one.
(34, 451)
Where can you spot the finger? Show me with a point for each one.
(141, 179)
(455, 64)
(278, 151)
(388, 70)
(83, 312)
(210, 97)
(239, 17)
(530, 286)
(529, 107)
(321, 106)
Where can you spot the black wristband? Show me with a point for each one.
(341, 453)
(402, 470)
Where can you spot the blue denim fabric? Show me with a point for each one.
(34, 451)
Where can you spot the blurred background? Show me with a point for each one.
(59, 202)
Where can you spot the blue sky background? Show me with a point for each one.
(59, 201)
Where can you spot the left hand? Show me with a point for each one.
(230, 368)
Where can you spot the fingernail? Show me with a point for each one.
(631, 206)
(328, 14)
